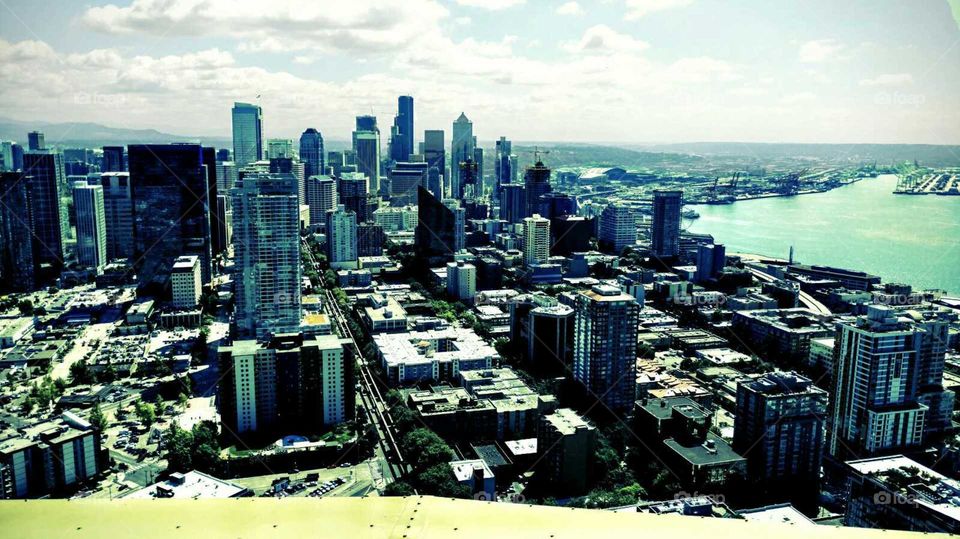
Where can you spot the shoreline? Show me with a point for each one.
(782, 195)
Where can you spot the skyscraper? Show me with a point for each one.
(114, 159)
(341, 230)
(434, 153)
(605, 346)
(618, 228)
(462, 281)
(171, 210)
(35, 141)
(266, 245)
(43, 171)
(118, 211)
(12, 155)
(17, 264)
(352, 191)
(311, 153)
(570, 234)
(536, 181)
(247, 134)
(461, 149)
(436, 237)
(370, 238)
(404, 180)
(536, 240)
(401, 145)
(502, 172)
(711, 259)
(779, 429)
(367, 148)
(888, 374)
(513, 202)
(665, 229)
(91, 226)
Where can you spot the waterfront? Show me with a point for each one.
(911, 239)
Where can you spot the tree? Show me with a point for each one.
(398, 488)
(26, 307)
(425, 449)
(183, 400)
(97, 418)
(145, 412)
(178, 445)
(439, 480)
(81, 374)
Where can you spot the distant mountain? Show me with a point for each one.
(883, 154)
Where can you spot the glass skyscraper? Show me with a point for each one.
(247, 134)
(311, 152)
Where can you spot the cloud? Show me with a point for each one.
(637, 9)
(492, 5)
(799, 97)
(889, 79)
(278, 25)
(463, 21)
(570, 8)
(820, 50)
(303, 60)
(601, 39)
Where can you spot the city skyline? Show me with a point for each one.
(629, 71)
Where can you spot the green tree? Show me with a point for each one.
(81, 374)
(26, 307)
(439, 480)
(398, 488)
(97, 418)
(145, 412)
(425, 449)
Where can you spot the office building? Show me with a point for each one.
(781, 334)
(618, 229)
(502, 166)
(404, 180)
(370, 239)
(171, 210)
(114, 159)
(396, 219)
(779, 428)
(35, 141)
(91, 250)
(321, 194)
(898, 493)
(439, 233)
(335, 163)
(279, 148)
(888, 394)
(401, 143)
(341, 230)
(11, 154)
(461, 149)
(247, 134)
(469, 182)
(353, 192)
(226, 176)
(185, 283)
(311, 153)
(513, 202)
(605, 346)
(118, 212)
(665, 228)
(44, 174)
(266, 246)
(536, 240)
(434, 153)
(291, 383)
(536, 181)
(462, 281)
(366, 146)
(711, 259)
(570, 234)
(543, 327)
(567, 443)
(52, 458)
(17, 263)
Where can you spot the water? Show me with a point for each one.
(863, 226)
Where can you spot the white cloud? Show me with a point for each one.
(820, 50)
(463, 21)
(492, 5)
(570, 8)
(639, 8)
(601, 39)
(278, 25)
(889, 79)
(303, 60)
(798, 97)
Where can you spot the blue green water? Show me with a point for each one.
(864, 226)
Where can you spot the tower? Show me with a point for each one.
(536, 240)
(461, 149)
(665, 230)
(91, 226)
(311, 153)
(247, 134)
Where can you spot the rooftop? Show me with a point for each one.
(192, 485)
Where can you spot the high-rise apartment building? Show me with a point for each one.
(779, 429)
(462, 281)
(17, 263)
(665, 229)
(536, 181)
(266, 245)
(341, 230)
(439, 233)
(118, 211)
(605, 346)
(711, 258)
(247, 134)
(536, 240)
(513, 202)
(321, 198)
(185, 285)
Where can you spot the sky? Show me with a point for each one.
(622, 71)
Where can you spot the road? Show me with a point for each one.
(387, 451)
